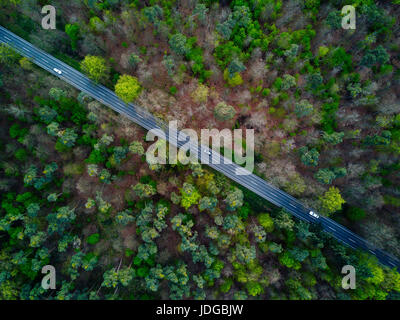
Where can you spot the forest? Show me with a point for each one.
(76, 191)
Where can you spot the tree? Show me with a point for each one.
(96, 68)
(325, 176)
(134, 60)
(259, 233)
(234, 80)
(169, 64)
(7, 55)
(119, 154)
(212, 232)
(47, 114)
(104, 141)
(30, 175)
(136, 147)
(92, 170)
(333, 138)
(232, 224)
(53, 128)
(127, 88)
(355, 214)
(200, 11)
(57, 94)
(96, 24)
(67, 137)
(266, 221)
(224, 112)
(331, 201)
(236, 66)
(33, 209)
(178, 44)
(309, 157)
(59, 221)
(190, 195)
(303, 108)
(334, 19)
(114, 277)
(245, 254)
(144, 190)
(288, 82)
(25, 63)
(315, 80)
(234, 199)
(200, 95)
(208, 203)
(288, 261)
(374, 56)
(254, 288)
(52, 197)
(284, 221)
(153, 14)
(72, 30)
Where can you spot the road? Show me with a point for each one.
(204, 154)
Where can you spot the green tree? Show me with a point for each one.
(332, 200)
(303, 108)
(245, 254)
(127, 88)
(208, 203)
(144, 190)
(266, 221)
(134, 60)
(153, 14)
(234, 199)
(136, 147)
(334, 19)
(179, 44)
(288, 82)
(72, 30)
(325, 176)
(309, 157)
(57, 94)
(96, 68)
(355, 214)
(235, 66)
(254, 288)
(190, 195)
(67, 137)
(7, 55)
(114, 277)
(333, 138)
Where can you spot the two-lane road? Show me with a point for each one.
(204, 154)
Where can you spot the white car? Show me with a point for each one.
(206, 151)
(313, 214)
(57, 70)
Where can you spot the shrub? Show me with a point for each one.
(93, 238)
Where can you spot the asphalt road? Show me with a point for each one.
(204, 154)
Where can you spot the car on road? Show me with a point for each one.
(206, 151)
(57, 70)
(313, 214)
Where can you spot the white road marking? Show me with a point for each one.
(351, 240)
(371, 251)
